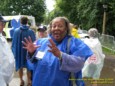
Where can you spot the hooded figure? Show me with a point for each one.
(94, 64)
(19, 52)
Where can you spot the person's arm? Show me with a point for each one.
(71, 63)
(31, 57)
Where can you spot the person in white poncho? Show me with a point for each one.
(93, 65)
(7, 62)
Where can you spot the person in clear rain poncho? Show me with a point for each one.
(94, 64)
(7, 62)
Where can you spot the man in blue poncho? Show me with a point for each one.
(55, 57)
(18, 50)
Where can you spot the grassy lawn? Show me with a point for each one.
(108, 52)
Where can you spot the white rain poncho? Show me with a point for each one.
(93, 65)
(7, 62)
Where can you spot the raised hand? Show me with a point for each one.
(29, 45)
(54, 49)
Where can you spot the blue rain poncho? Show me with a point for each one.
(17, 46)
(50, 71)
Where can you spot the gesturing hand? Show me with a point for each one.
(29, 45)
(54, 49)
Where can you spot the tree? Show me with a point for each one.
(35, 8)
(88, 13)
(68, 8)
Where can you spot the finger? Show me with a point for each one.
(53, 49)
(24, 43)
(25, 47)
(26, 40)
(30, 40)
(53, 52)
(50, 46)
(50, 51)
(37, 46)
(52, 43)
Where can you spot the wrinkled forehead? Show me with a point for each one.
(58, 21)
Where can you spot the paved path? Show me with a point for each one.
(15, 81)
(107, 72)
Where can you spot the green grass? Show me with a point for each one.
(107, 51)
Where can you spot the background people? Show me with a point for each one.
(42, 31)
(74, 30)
(93, 65)
(19, 52)
(53, 58)
(7, 62)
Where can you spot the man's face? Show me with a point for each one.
(2, 24)
(42, 34)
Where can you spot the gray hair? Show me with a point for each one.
(66, 24)
(93, 32)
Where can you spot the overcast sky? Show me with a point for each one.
(50, 4)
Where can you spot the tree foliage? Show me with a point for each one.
(68, 8)
(35, 8)
(88, 13)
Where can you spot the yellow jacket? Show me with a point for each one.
(74, 33)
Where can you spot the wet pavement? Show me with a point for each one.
(107, 77)
(16, 81)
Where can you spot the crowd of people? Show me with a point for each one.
(52, 56)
